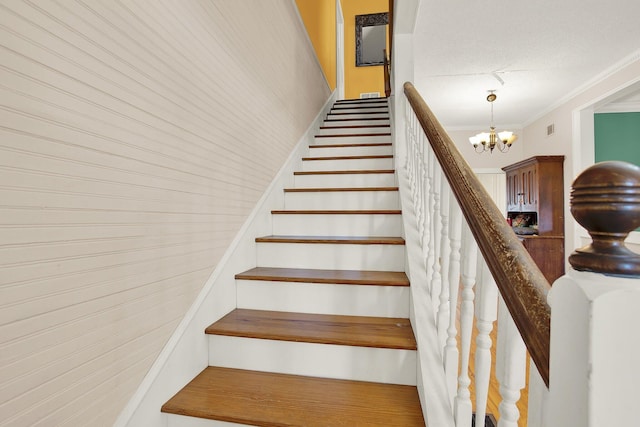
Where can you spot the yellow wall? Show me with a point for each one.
(360, 79)
(319, 18)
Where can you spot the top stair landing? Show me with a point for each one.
(363, 110)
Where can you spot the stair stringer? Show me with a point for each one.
(185, 354)
(431, 380)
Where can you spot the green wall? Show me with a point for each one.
(617, 137)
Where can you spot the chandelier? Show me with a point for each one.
(488, 141)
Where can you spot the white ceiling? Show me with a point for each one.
(533, 53)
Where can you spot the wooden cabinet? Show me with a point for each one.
(548, 253)
(536, 185)
(535, 190)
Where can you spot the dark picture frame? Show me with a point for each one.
(363, 21)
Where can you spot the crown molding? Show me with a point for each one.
(618, 66)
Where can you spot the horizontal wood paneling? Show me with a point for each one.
(135, 138)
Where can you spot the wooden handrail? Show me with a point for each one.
(387, 75)
(521, 283)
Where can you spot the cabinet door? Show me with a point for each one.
(519, 191)
(530, 189)
(512, 191)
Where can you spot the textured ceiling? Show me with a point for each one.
(533, 53)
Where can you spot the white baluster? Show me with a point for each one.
(422, 187)
(411, 173)
(414, 160)
(408, 116)
(486, 314)
(453, 283)
(411, 132)
(430, 251)
(426, 230)
(417, 180)
(445, 251)
(511, 367)
(436, 232)
(462, 403)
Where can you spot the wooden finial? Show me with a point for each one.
(605, 199)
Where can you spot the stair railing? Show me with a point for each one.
(458, 271)
(479, 267)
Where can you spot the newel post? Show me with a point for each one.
(595, 308)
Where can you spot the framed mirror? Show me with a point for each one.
(371, 38)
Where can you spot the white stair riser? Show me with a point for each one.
(345, 180)
(347, 164)
(174, 420)
(324, 140)
(324, 298)
(359, 110)
(317, 360)
(331, 256)
(336, 200)
(366, 150)
(354, 130)
(362, 122)
(337, 225)
(358, 116)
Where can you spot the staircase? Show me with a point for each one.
(320, 335)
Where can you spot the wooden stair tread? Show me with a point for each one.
(333, 113)
(340, 104)
(342, 277)
(363, 144)
(355, 126)
(343, 135)
(360, 331)
(372, 105)
(379, 108)
(347, 100)
(360, 105)
(277, 400)
(345, 172)
(312, 190)
(336, 212)
(347, 240)
(376, 156)
(349, 119)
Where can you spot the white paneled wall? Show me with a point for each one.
(135, 138)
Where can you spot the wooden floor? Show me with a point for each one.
(250, 397)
